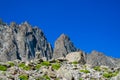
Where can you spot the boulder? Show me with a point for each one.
(76, 57)
(65, 74)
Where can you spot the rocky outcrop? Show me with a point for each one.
(63, 46)
(76, 57)
(98, 59)
(22, 42)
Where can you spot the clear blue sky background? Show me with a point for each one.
(91, 24)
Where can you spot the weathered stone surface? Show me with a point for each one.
(98, 59)
(63, 46)
(64, 73)
(76, 57)
(22, 41)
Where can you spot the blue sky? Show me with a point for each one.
(91, 24)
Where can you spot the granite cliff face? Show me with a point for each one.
(63, 46)
(22, 42)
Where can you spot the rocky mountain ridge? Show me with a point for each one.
(22, 42)
(27, 55)
(25, 43)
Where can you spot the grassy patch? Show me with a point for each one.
(97, 68)
(85, 71)
(75, 62)
(46, 77)
(37, 66)
(56, 66)
(3, 68)
(24, 77)
(80, 79)
(11, 63)
(110, 74)
(27, 68)
(45, 63)
(21, 65)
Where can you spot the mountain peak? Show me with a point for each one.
(63, 36)
(22, 42)
(63, 46)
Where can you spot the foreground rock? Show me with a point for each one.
(76, 57)
(45, 70)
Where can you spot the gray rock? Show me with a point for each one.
(64, 73)
(63, 46)
(98, 59)
(22, 41)
(76, 57)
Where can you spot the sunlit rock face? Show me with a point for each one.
(63, 46)
(22, 42)
(98, 59)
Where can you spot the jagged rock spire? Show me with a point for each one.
(22, 42)
(63, 46)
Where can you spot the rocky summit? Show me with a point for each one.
(25, 54)
(22, 42)
(63, 46)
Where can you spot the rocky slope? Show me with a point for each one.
(22, 42)
(27, 54)
(57, 69)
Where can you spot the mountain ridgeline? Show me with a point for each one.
(25, 43)
(22, 42)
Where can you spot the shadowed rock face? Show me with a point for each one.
(63, 46)
(22, 41)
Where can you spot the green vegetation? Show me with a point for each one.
(110, 74)
(80, 79)
(56, 66)
(37, 66)
(45, 63)
(46, 77)
(11, 63)
(24, 77)
(3, 68)
(75, 62)
(27, 68)
(97, 68)
(23, 66)
(85, 71)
